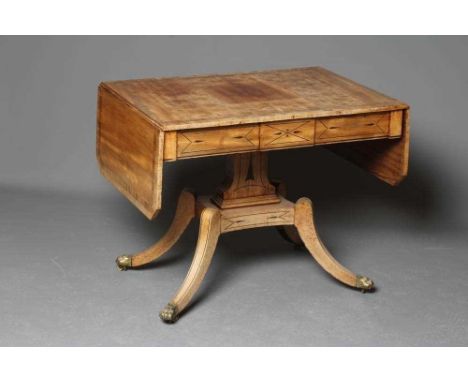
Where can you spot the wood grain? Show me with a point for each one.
(130, 152)
(207, 238)
(204, 142)
(181, 103)
(142, 123)
(246, 182)
(281, 135)
(287, 134)
(278, 214)
(386, 159)
(170, 146)
(396, 123)
(304, 223)
(185, 212)
(288, 232)
(348, 128)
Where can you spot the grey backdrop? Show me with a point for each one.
(62, 225)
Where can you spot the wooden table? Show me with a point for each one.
(144, 123)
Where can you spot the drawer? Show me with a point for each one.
(279, 135)
(364, 126)
(287, 134)
(223, 140)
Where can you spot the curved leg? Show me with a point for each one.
(184, 214)
(207, 239)
(304, 223)
(287, 232)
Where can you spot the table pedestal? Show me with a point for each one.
(246, 199)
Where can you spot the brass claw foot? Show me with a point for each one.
(364, 283)
(169, 314)
(124, 262)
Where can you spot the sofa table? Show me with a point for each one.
(144, 123)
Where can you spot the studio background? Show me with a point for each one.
(62, 224)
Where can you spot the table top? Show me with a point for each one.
(144, 123)
(181, 103)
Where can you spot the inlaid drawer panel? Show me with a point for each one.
(278, 135)
(287, 134)
(346, 128)
(193, 143)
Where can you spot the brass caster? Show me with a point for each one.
(364, 283)
(124, 262)
(169, 314)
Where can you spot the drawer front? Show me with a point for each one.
(287, 134)
(223, 140)
(279, 135)
(346, 128)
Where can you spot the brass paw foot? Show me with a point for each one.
(124, 262)
(364, 283)
(169, 314)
